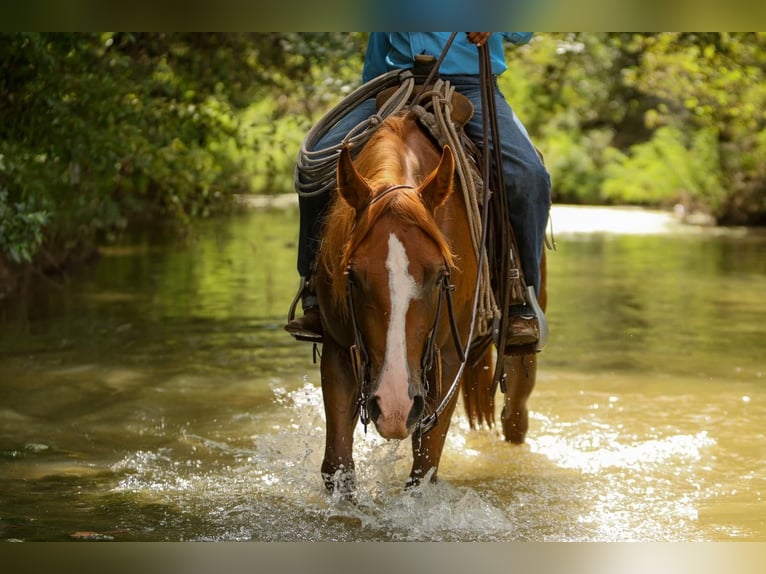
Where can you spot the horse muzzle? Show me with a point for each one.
(393, 411)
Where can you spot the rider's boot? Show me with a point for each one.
(527, 326)
(523, 327)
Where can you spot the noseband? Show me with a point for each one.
(431, 356)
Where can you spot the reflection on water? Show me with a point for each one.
(156, 397)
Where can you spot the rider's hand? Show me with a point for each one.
(478, 38)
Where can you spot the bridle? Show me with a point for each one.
(431, 356)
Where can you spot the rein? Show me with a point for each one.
(430, 359)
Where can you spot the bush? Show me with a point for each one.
(21, 228)
(575, 162)
(667, 170)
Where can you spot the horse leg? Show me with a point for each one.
(427, 449)
(521, 373)
(339, 391)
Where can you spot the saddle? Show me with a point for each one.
(461, 107)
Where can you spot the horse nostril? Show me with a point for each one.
(373, 408)
(416, 412)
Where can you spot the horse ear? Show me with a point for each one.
(351, 185)
(438, 185)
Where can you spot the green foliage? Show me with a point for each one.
(715, 83)
(684, 110)
(574, 161)
(21, 229)
(99, 128)
(664, 171)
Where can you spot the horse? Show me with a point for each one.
(395, 245)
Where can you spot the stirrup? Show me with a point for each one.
(292, 327)
(301, 334)
(542, 322)
(298, 295)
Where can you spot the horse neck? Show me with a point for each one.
(453, 220)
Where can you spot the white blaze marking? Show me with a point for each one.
(403, 289)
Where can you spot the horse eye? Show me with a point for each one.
(353, 278)
(440, 274)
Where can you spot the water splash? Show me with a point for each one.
(575, 481)
(277, 475)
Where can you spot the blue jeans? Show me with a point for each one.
(312, 209)
(527, 182)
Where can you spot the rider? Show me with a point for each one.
(526, 179)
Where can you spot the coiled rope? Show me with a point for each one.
(315, 168)
(487, 312)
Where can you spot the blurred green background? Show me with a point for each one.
(99, 131)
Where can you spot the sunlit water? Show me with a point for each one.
(155, 396)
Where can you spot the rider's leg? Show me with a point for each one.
(312, 209)
(527, 188)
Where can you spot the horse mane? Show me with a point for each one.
(383, 164)
(381, 160)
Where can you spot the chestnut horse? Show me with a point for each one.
(395, 245)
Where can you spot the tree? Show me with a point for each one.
(97, 129)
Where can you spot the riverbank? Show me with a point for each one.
(624, 220)
(565, 218)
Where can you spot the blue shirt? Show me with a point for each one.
(388, 51)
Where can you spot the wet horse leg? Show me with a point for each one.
(339, 391)
(521, 374)
(427, 449)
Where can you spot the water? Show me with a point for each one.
(154, 396)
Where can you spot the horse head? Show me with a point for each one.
(396, 265)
